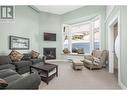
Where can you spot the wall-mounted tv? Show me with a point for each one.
(49, 36)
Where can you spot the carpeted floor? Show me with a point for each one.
(68, 79)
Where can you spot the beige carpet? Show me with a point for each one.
(68, 79)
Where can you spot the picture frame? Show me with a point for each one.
(18, 43)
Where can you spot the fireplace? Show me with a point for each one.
(50, 53)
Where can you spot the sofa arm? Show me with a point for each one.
(31, 81)
(89, 57)
(34, 61)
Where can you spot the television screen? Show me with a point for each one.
(49, 36)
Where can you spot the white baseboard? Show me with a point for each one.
(122, 85)
(57, 60)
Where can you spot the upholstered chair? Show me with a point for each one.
(96, 60)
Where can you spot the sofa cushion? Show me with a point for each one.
(16, 81)
(23, 70)
(34, 54)
(6, 72)
(4, 60)
(12, 78)
(15, 56)
(26, 56)
(3, 83)
(7, 66)
(21, 64)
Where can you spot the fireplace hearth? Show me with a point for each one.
(50, 53)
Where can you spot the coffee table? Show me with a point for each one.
(46, 70)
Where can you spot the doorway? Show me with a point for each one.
(114, 46)
(115, 35)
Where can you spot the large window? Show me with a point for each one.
(96, 31)
(84, 35)
(80, 37)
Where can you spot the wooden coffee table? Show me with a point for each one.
(46, 71)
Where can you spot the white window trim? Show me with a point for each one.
(92, 33)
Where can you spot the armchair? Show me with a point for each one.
(96, 60)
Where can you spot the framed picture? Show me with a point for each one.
(18, 43)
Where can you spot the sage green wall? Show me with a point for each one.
(25, 25)
(50, 23)
(124, 45)
(85, 13)
(123, 35)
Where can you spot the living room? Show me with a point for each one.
(31, 24)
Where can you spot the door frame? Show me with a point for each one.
(110, 46)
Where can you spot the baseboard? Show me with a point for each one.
(57, 60)
(122, 85)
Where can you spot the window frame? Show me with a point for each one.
(91, 21)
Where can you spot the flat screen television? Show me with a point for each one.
(49, 36)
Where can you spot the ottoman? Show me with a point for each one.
(77, 64)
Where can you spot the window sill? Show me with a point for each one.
(76, 54)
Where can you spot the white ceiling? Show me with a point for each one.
(57, 9)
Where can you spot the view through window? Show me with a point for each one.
(84, 36)
(96, 30)
(80, 37)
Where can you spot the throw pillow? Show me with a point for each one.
(66, 51)
(15, 56)
(96, 60)
(80, 51)
(3, 83)
(26, 56)
(34, 54)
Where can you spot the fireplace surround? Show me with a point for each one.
(50, 53)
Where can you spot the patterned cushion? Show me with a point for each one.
(96, 60)
(34, 54)
(80, 51)
(26, 56)
(15, 56)
(66, 51)
(3, 83)
(96, 53)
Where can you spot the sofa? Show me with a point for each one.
(28, 57)
(5, 63)
(96, 60)
(21, 66)
(17, 81)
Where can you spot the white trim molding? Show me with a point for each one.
(122, 85)
(108, 15)
(111, 64)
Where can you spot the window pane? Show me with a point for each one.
(96, 34)
(81, 37)
(66, 30)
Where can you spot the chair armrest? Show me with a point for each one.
(89, 57)
(31, 81)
